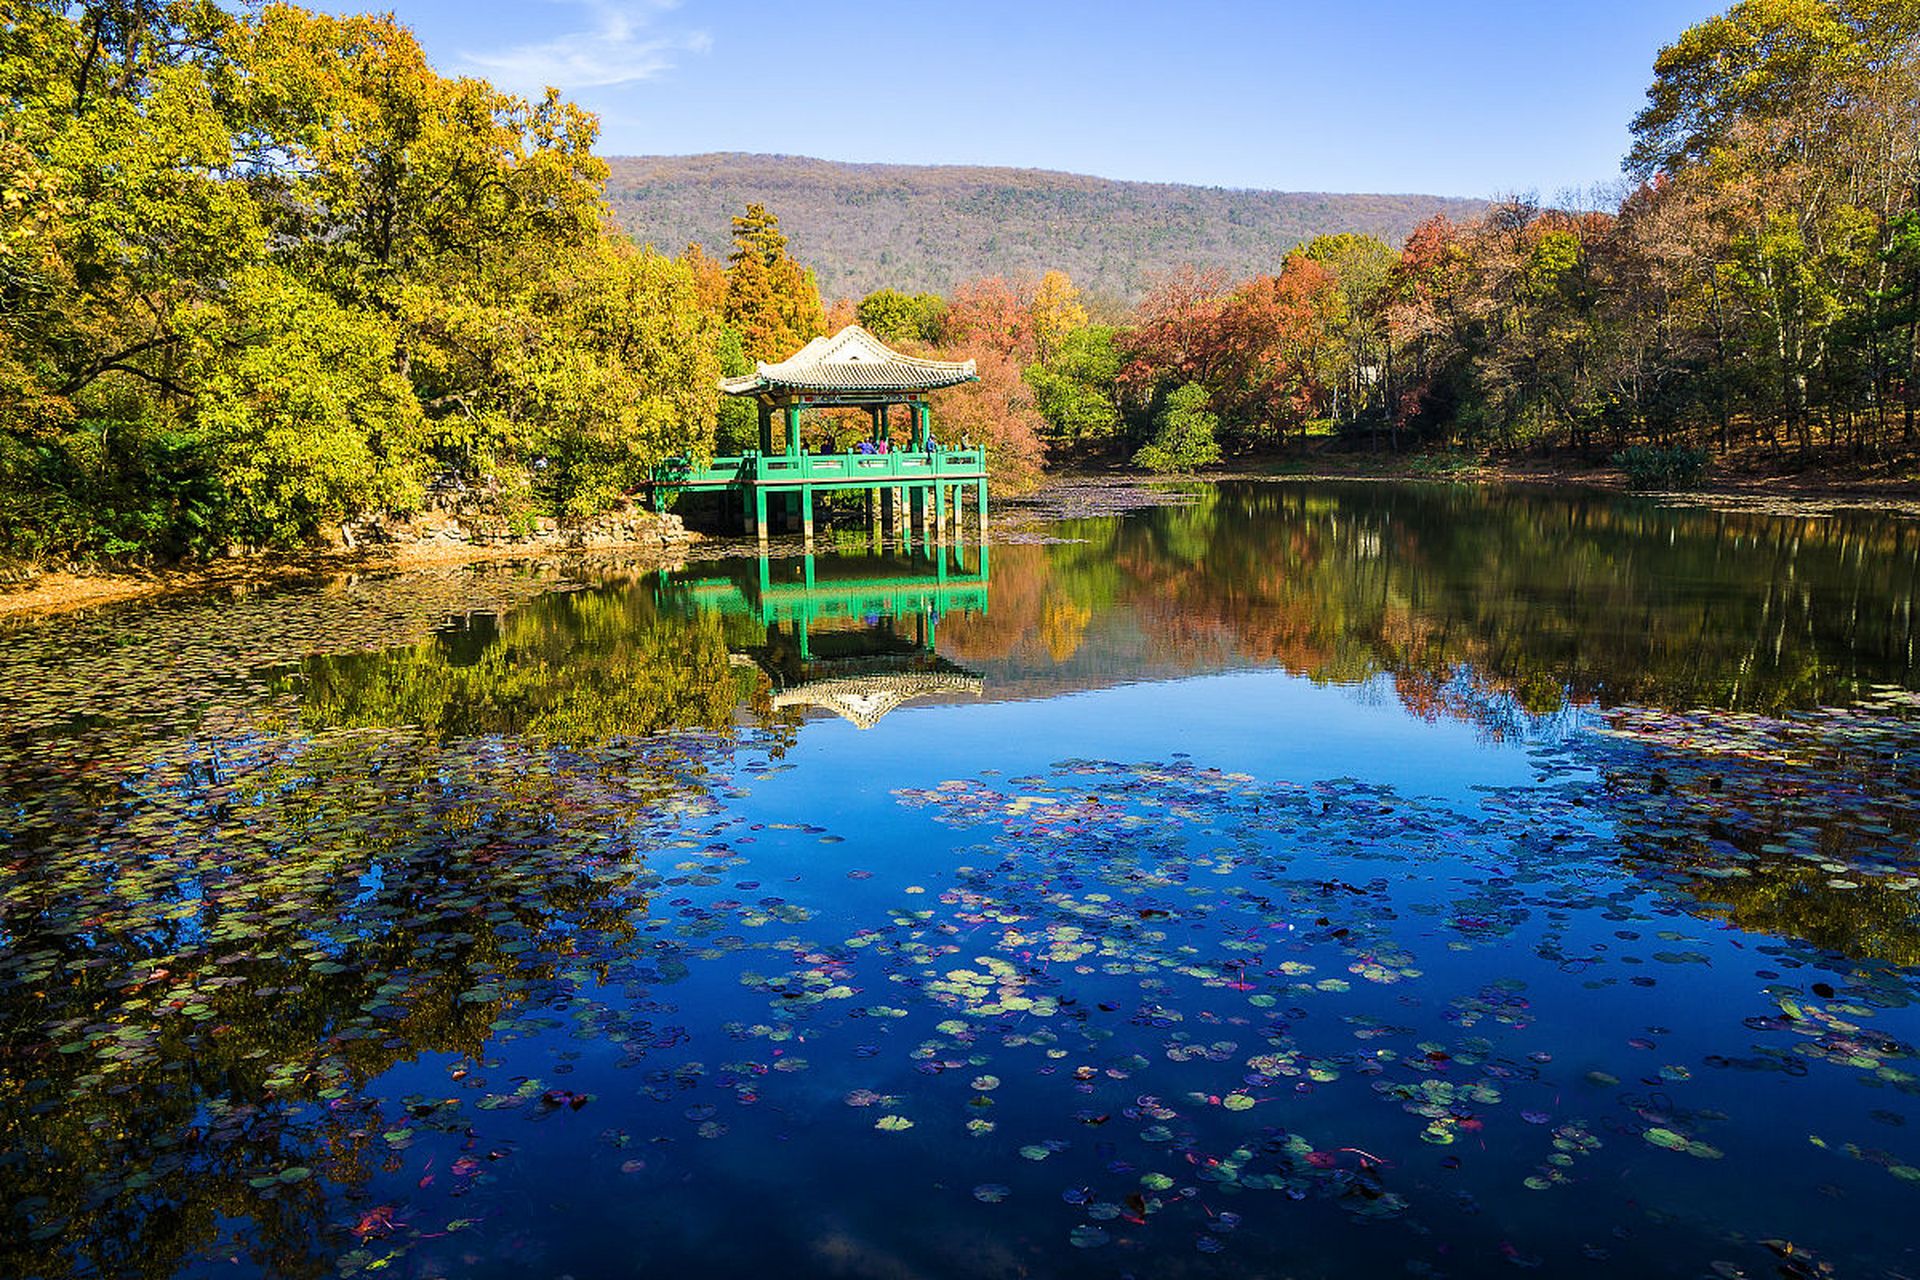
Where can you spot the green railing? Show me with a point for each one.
(841, 601)
(853, 470)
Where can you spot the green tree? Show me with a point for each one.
(1363, 270)
(260, 270)
(300, 408)
(737, 427)
(892, 316)
(1183, 436)
(1077, 395)
(1764, 60)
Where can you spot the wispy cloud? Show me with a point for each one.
(627, 41)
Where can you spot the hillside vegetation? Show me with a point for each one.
(868, 226)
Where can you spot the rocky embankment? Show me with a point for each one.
(444, 534)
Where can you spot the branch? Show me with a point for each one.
(115, 361)
(165, 384)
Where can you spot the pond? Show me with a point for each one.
(1284, 879)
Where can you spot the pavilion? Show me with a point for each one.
(852, 369)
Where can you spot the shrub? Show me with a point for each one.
(1655, 467)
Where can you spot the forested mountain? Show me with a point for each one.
(869, 226)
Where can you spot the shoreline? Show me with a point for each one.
(1085, 491)
(60, 592)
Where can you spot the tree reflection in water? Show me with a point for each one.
(230, 903)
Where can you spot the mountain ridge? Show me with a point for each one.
(864, 226)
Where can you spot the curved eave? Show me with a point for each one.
(855, 381)
(851, 362)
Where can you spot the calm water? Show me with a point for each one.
(1298, 881)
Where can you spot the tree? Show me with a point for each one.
(1183, 435)
(300, 406)
(1764, 60)
(996, 412)
(1261, 350)
(1362, 268)
(1055, 313)
(1175, 336)
(896, 317)
(261, 270)
(771, 299)
(623, 377)
(992, 314)
(1078, 396)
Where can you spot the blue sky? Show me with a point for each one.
(1440, 96)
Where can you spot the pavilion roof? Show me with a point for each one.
(852, 360)
(863, 700)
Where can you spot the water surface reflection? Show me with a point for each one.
(1491, 850)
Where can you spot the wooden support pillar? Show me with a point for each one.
(980, 489)
(766, 428)
(806, 511)
(939, 511)
(793, 431)
(760, 513)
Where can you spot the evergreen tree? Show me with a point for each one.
(771, 300)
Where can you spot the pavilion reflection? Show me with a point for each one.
(854, 635)
(747, 644)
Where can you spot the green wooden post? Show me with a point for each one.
(980, 486)
(806, 511)
(939, 510)
(766, 428)
(793, 431)
(760, 512)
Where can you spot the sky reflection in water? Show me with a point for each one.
(1308, 880)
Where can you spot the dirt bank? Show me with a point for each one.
(56, 592)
